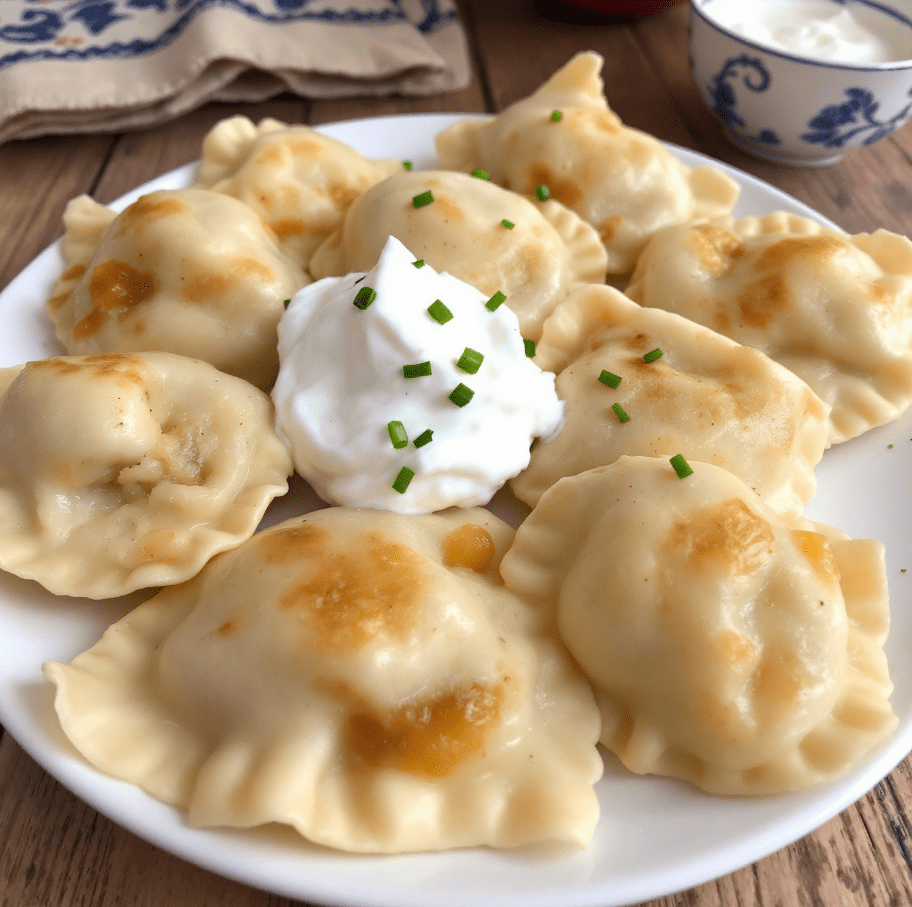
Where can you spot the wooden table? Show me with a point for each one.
(57, 852)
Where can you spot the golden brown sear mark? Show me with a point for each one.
(428, 737)
(350, 597)
(727, 535)
(115, 288)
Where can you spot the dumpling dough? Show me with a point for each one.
(359, 675)
(299, 181)
(834, 308)
(624, 182)
(728, 647)
(188, 271)
(707, 398)
(120, 472)
(535, 263)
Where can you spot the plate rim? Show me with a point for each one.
(754, 847)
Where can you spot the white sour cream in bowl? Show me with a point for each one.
(844, 32)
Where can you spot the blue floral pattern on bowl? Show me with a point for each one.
(753, 75)
(839, 123)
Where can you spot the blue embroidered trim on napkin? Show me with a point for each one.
(91, 65)
(77, 29)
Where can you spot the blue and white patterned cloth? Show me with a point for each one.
(93, 65)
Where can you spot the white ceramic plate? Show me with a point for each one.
(655, 837)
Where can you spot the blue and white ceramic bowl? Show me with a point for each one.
(790, 108)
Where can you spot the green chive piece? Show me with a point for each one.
(470, 361)
(422, 199)
(529, 346)
(418, 264)
(495, 301)
(397, 434)
(609, 379)
(418, 370)
(403, 479)
(542, 193)
(507, 224)
(620, 413)
(286, 302)
(653, 355)
(481, 174)
(461, 395)
(366, 295)
(681, 466)
(439, 312)
(407, 165)
(424, 438)
(556, 116)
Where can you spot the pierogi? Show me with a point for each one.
(186, 271)
(564, 136)
(359, 675)
(387, 683)
(299, 181)
(834, 308)
(120, 472)
(489, 237)
(704, 396)
(727, 646)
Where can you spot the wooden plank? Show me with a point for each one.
(37, 179)
(664, 42)
(848, 861)
(96, 863)
(470, 99)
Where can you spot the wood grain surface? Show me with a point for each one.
(58, 852)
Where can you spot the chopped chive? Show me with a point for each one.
(653, 355)
(681, 466)
(542, 193)
(556, 116)
(422, 199)
(620, 412)
(424, 438)
(403, 479)
(366, 295)
(481, 174)
(286, 302)
(397, 434)
(470, 361)
(507, 224)
(461, 395)
(609, 379)
(495, 301)
(407, 165)
(419, 263)
(418, 370)
(439, 312)
(529, 346)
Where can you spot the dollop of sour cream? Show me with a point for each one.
(819, 29)
(342, 384)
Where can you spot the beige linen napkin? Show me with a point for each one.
(92, 65)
